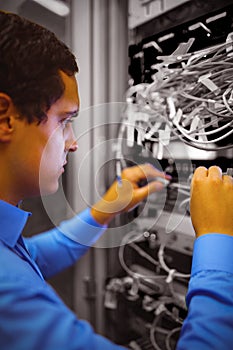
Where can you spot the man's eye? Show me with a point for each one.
(66, 121)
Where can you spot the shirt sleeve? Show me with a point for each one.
(33, 317)
(70, 240)
(209, 324)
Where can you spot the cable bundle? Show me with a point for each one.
(192, 94)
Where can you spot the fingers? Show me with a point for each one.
(143, 171)
(155, 186)
(215, 173)
(142, 192)
(151, 172)
(200, 173)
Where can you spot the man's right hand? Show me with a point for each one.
(211, 204)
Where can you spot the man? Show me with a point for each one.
(38, 100)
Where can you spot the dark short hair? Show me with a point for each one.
(30, 59)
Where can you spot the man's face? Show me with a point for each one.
(44, 147)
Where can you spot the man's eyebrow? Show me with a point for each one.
(72, 113)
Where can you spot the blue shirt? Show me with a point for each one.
(32, 316)
(209, 324)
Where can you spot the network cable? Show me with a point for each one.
(194, 100)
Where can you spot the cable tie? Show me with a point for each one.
(130, 124)
(152, 44)
(155, 150)
(160, 150)
(141, 133)
(211, 101)
(152, 131)
(202, 130)
(160, 308)
(172, 108)
(164, 139)
(215, 105)
(191, 115)
(134, 288)
(183, 65)
(230, 100)
(214, 120)
(186, 120)
(229, 42)
(195, 123)
(178, 116)
(205, 27)
(206, 81)
(165, 135)
(170, 276)
(183, 47)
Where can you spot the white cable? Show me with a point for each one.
(185, 134)
(166, 268)
(184, 202)
(180, 90)
(132, 236)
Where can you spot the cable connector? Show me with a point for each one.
(229, 172)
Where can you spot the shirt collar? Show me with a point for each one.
(12, 222)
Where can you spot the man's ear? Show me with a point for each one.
(6, 118)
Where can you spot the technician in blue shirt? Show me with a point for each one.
(38, 99)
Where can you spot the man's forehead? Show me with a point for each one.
(70, 94)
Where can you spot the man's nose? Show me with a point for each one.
(71, 144)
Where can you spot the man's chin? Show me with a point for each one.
(47, 190)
